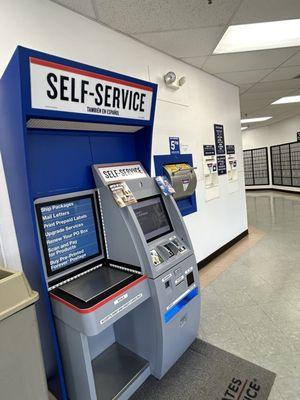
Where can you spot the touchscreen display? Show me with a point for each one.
(152, 217)
(69, 232)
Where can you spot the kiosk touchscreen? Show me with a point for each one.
(152, 216)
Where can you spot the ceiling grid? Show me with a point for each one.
(190, 30)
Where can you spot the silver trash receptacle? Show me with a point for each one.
(22, 374)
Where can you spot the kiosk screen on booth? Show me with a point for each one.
(69, 232)
(152, 217)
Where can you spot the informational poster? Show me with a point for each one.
(209, 150)
(122, 194)
(210, 172)
(298, 136)
(174, 144)
(230, 149)
(221, 162)
(59, 87)
(219, 138)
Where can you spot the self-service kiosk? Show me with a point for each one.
(89, 295)
(121, 282)
(151, 234)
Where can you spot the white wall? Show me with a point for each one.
(278, 133)
(189, 114)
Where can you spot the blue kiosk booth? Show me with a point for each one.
(119, 286)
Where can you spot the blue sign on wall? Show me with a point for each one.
(174, 145)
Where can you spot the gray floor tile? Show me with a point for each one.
(253, 308)
(289, 387)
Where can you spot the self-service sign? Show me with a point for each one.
(59, 87)
(124, 172)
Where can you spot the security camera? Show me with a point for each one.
(170, 78)
(172, 82)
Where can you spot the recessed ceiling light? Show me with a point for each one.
(257, 119)
(287, 99)
(243, 128)
(260, 36)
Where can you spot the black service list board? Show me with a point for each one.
(69, 232)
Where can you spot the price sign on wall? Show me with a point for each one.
(174, 145)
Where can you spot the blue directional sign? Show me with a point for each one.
(174, 145)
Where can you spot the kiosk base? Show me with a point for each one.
(116, 370)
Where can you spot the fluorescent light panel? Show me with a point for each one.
(260, 36)
(257, 119)
(287, 99)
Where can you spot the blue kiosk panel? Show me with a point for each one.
(49, 151)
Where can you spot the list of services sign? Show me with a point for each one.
(70, 232)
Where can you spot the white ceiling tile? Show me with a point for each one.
(185, 43)
(136, 16)
(295, 60)
(281, 74)
(252, 11)
(250, 106)
(276, 85)
(244, 76)
(250, 60)
(245, 87)
(279, 109)
(82, 7)
(270, 95)
(274, 111)
(195, 61)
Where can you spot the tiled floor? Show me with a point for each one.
(251, 303)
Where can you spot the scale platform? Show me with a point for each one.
(95, 283)
(95, 286)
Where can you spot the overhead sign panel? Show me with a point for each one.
(59, 87)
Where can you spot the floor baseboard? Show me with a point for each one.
(273, 189)
(221, 250)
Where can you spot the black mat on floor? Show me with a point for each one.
(206, 372)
